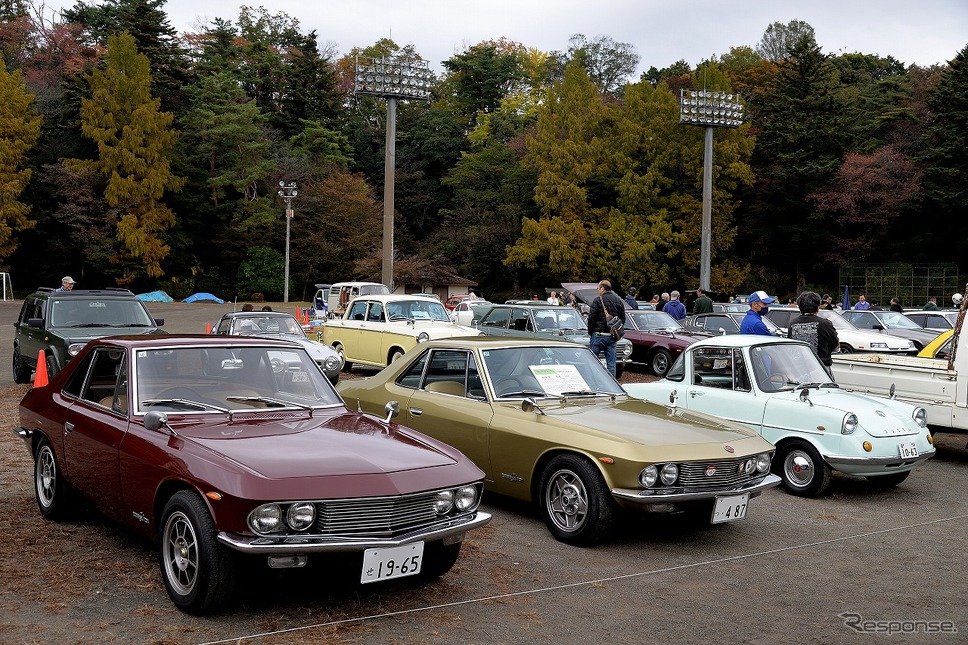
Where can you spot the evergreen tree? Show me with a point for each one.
(19, 130)
(134, 141)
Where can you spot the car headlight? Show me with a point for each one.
(849, 424)
(763, 462)
(648, 476)
(749, 466)
(444, 502)
(920, 417)
(878, 345)
(266, 519)
(74, 348)
(669, 474)
(301, 516)
(467, 498)
(331, 363)
(423, 337)
(626, 349)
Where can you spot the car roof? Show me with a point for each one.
(190, 340)
(496, 342)
(744, 340)
(397, 297)
(243, 314)
(86, 293)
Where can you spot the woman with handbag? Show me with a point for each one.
(606, 306)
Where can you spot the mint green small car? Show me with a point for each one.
(779, 388)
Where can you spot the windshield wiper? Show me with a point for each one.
(135, 325)
(268, 401)
(523, 392)
(91, 325)
(587, 393)
(185, 403)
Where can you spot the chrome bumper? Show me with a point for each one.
(24, 433)
(644, 496)
(296, 544)
(893, 461)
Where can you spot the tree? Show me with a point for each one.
(480, 78)
(134, 141)
(779, 39)
(263, 271)
(19, 130)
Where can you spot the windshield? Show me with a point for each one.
(101, 312)
(646, 320)
(209, 379)
(371, 289)
(558, 319)
(422, 309)
(520, 372)
(895, 320)
(838, 321)
(786, 366)
(267, 325)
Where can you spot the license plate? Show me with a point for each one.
(392, 562)
(729, 509)
(909, 450)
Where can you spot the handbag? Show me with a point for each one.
(616, 326)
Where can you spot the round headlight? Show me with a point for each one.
(266, 519)
(920, 417)
(749, 466)
(648, 476)
(444, 502)
(763, 462)
(301, 516)
(669, 474)
(466, 498)
(849, 424)
(331, 364)
(74, 348)
(423, 337)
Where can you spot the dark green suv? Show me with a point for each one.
(62, 322)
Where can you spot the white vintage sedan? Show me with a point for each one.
(376, 330)
(779, 388)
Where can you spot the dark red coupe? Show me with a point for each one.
(231, 450)
(657, 339)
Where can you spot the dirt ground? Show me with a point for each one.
(793, 571)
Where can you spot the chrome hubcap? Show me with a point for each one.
(567, 501)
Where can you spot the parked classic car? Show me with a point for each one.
(893, 322)
(941, 320)
(541, 320)
(657, 339)
(468, 311)
(376, 330)
(940, 347)
(218, 447)
(779, 388)
(731, 307)
(851, 338)
(277, 324)
(723, 322)
(547, 423)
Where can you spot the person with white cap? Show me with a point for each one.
(67, 283)
(753, 322)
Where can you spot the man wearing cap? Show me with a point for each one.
(67, 283)
(753, 322)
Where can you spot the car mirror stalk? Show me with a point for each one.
(158, 421)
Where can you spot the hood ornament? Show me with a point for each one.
(728, 448)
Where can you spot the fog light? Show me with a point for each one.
(287, 561)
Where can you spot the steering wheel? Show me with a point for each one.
(778, 380)
(509, 384)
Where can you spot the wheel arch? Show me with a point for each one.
(546, 458)
(165, 492)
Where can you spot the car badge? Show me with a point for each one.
(880, 413)
(728, 448)
(710, 470)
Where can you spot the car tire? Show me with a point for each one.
(49, 485)
(395, 354)
(347, 366)
(575, 503)
(803, 470)
(439, 558)
(52, 367)
(21, 371)
(846, 349)
(196, 569)
(660, 363)
(888, 481)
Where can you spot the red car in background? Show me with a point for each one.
(456, 299)
(657, 339)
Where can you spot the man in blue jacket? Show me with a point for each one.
(753, 322)
(674, 307)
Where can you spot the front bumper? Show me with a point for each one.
(648, 496)
(878, 465)
(299, 544)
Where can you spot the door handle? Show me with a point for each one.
(68, 427)
(416, 412)
(695, 393)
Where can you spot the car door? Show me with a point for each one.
(495, 321)
(373, 333)
(721, 385)
(349, 331)
(31, 339)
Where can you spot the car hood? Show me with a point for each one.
(861, 336)
(316, 350)
(585, 292)
(345, 444)
(878, 417)
(84, 334)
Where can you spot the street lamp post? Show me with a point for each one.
(288, 193)
(392, 79)
(709, 109)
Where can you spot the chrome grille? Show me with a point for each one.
(381, 516)
(693, 476)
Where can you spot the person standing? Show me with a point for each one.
(896, 305)
(703, 304)
(606, 304)
(931, 305)
(67, 284)
(553, 298)
(674, 307)
(630, 299)
(827, 302)
(862, 303)
(817, 332)
(753, 322)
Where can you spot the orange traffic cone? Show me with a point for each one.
(40, 377)
(298, 314)
(208, 328)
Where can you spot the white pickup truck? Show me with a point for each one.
(931, 383)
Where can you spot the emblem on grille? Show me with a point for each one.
(710, 470)
(728, 448)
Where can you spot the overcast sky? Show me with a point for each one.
(663, 31)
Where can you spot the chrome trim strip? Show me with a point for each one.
(650, 496)
(881, 461)
(23, 433)
(294, 544)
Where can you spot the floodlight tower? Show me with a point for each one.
(288, 192)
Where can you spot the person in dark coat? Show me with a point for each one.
(703, 303)
(818, 332)
(606, 304)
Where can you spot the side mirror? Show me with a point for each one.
(805, 396)
(160, 322)
(157, 421)
(530, 405)
(391, 409)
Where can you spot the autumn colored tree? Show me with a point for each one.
(19, 130)
(135, 141)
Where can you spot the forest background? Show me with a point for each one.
(134, 156)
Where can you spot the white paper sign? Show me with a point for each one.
(555, 379)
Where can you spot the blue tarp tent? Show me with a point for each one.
(155, 296)
(203, 297)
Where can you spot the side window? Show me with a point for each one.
(741, 375)
(713, 367)
(934, 321)
(376, 313)
(102, 383)
(717, 323)
(223, 326)
(520, 320)
(678, 370)
(447, 372)
(358, 311)
(496, 318)
(78, 378)
(411, 378)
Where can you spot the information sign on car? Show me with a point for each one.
(393, 562)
